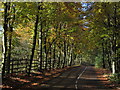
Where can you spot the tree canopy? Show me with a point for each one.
(60, 34)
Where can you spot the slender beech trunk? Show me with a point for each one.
(115, 37)
(71, 55)
(108, 56)
(109, 62)
(9, 50)
(108, 48)
(59, 59)
(41, 33)
(54, 56)
(59, 56)
(59, 46)
(71, 61)
(54, 49)
(67, 55)
(103, 61)
(64, 62)
(50, 64)
(9, 42)
(10, 38)
(114, 41)
(45, 48)
(34, 40)
(5, 49)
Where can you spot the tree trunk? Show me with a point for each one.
(50, 64)
(5, 49)
(59, 59)
(64, 62)
(10, 38)
(66, 54)
(114, 62)
(34, 40)
(71, 55)
(9, 50)
(103, 61)
(109, 62)
(45, 48)
(41, 33)
(54, 56)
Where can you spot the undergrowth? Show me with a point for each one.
(115, 77)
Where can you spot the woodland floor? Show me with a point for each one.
(69, 78)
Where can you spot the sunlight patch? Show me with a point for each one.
(2, 86)
(19, 79)
(34, 84)
(45, 85)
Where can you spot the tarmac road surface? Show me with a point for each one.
(77, 78)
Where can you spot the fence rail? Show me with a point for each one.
(21, 65)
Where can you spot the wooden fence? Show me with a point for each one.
(21, 65)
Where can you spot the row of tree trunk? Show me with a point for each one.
(7, 38)
(56, 53)
(110, 45)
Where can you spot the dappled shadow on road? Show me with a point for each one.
(21, 80)
(91, 79)
(65, 80)
(91, 84)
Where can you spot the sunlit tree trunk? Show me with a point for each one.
(10, 37)
(5, 49)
